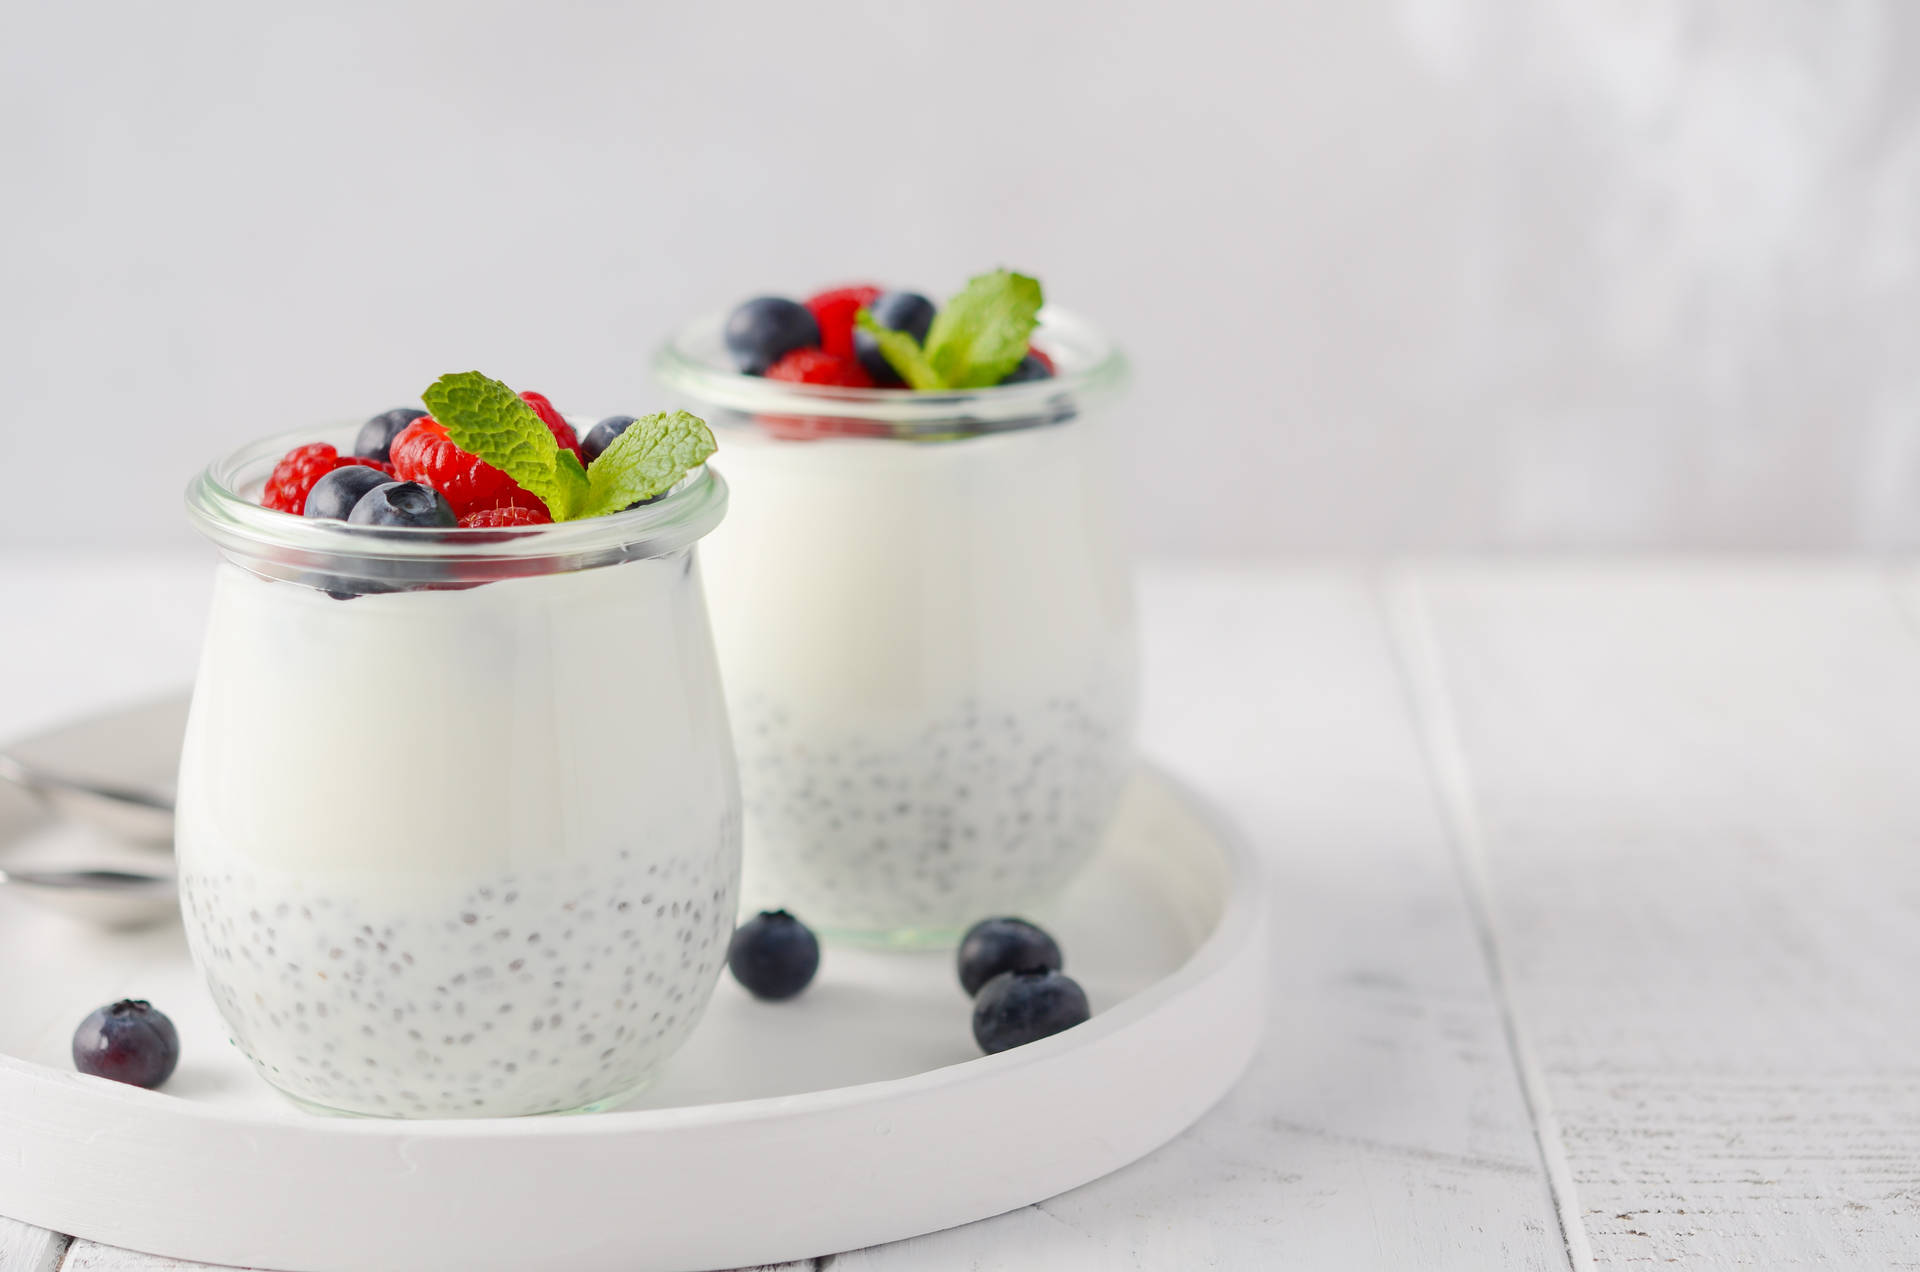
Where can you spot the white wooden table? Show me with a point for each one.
(1597, 900)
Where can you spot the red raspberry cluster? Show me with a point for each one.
(299, 468)
(481, 496)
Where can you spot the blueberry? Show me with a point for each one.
(993, 946)
(377, 434)
(1030, 368)
(127, 1041)
(765, 329)
(601, 435)
(1016, 1008)
(774, 955)
(334, 495)
(897, 311)
(403, 503)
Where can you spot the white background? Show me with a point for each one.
(1431, 274)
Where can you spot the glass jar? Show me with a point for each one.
(924, 611)
(458, 823)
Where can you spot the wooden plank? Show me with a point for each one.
(1697, 802)
(24, 1248)
(1382, 1125)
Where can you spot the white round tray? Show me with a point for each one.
(860, 1112)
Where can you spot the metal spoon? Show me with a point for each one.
(112, 898)
(122, 811)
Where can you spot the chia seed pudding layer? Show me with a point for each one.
(986, 809)
(530, 992)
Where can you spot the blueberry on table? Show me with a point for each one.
(1030, 368)
(335, 494)
(763, 330)
(376, 435)
(993, 946)
(1016, 1008)
(129, 1042)
(774, 955)
(897, 311)
(601, 435)
(403, 503)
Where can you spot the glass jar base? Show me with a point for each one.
(601, 1105)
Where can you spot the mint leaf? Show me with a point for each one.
(983, 332)
(652, 454)
(901, 351)
(489, 421)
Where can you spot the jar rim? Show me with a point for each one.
(220, 505)
(1089, 365)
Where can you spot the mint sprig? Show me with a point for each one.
(976, 340)
(652, 454)
(494, 424)
(902, 352)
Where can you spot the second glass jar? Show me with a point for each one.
(923, 609)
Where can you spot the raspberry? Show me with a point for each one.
(424, 453)
(1040, 356)
(504, 517)
(834, 311)
(299, 468)
(556, 424)
(817, 366)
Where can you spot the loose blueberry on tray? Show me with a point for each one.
(774, 955)
(993, 946)
(1016, 1008)
(129, 1042)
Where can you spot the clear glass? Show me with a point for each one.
(924, 610)
(459, 821)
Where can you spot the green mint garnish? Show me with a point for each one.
(491, 422)
(975, 341)
(901, 350)
(652, 454)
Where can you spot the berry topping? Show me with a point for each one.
(601, 435)
(127, 1041)
(834, 311)
(1016, 1008)
(817, 366)
(896, 311)
(1032, 367)
(993, 946)
(376, 435)
(424, 453)
(774, 955)
(335, 494)
(505, 517)
(297, 472)
(762, 330)
(556, 423)
(403, 503)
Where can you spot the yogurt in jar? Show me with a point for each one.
(928, 645)
(469, 851)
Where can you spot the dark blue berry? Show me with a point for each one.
(334, 495)
(403, 503)
(993, 946)
(601, 435)
(1016, 1008)
(774, 955)
(897, 311)
(377, 434)
(765, 329)
(127, 1041)
(1030, 368)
